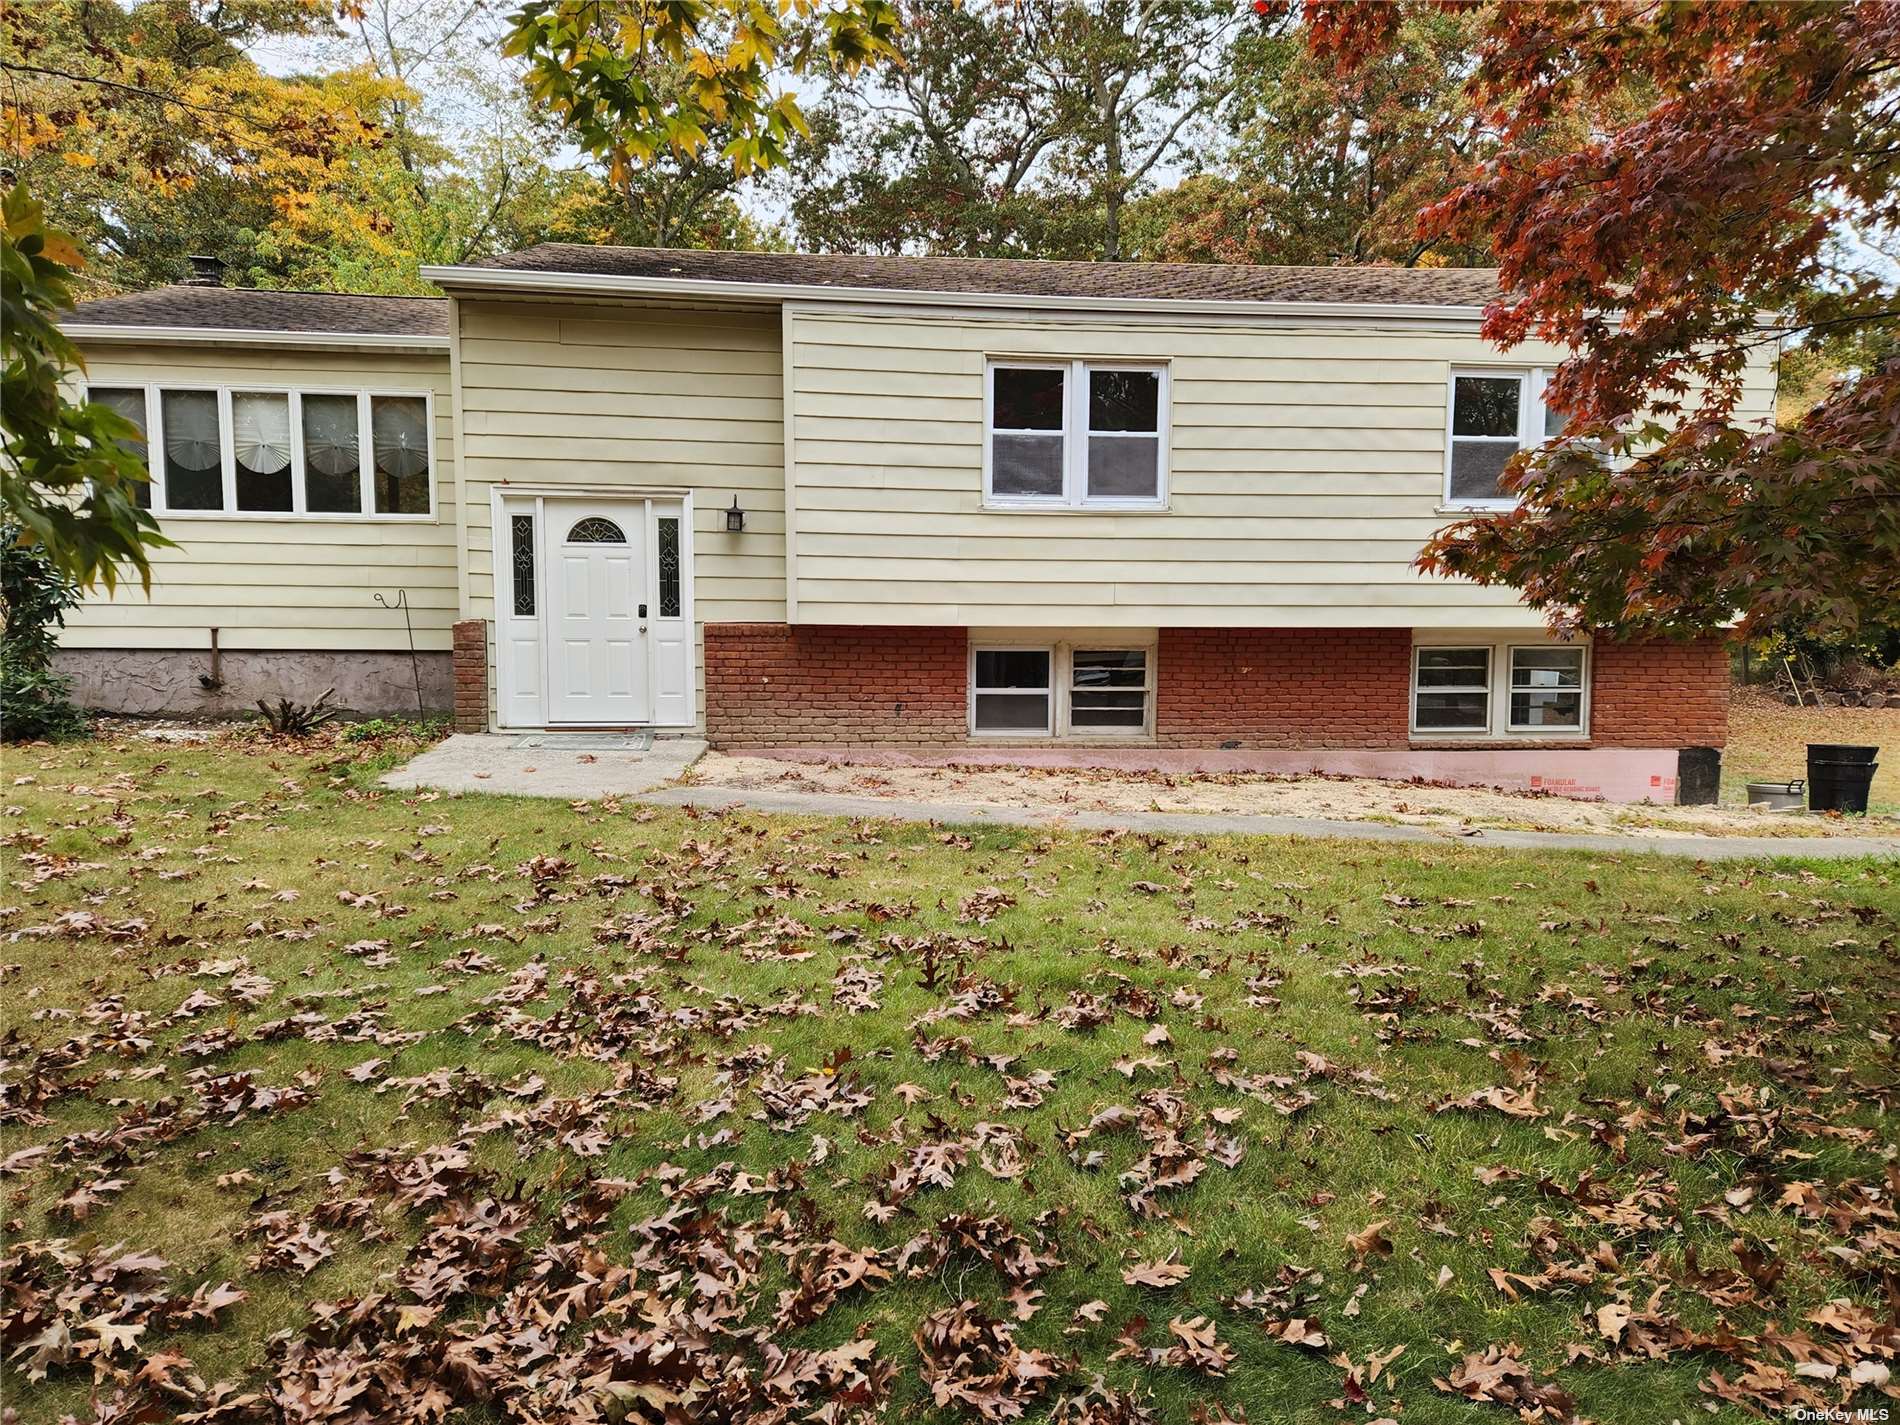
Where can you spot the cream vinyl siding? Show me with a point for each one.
(1307, 466)
(266, 583)
(607, 397)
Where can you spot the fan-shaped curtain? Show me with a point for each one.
(399, 430)
(260, 431)
(330, 435)
(191, 430)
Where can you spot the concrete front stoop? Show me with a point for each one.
(569, 766)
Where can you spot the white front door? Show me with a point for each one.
(597, 617)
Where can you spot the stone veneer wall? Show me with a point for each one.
(164, 682)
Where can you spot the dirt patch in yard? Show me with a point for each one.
(1068, 789)
(1768, 741)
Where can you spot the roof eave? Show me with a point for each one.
(504, 279)
(139, 334)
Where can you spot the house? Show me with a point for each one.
(803, 501)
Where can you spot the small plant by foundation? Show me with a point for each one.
(289, 719)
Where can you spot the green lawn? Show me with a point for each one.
(511, 1110)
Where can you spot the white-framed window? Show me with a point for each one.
(1109, 689)
(1547, 688)
(1492, 413)
(1012, 691)
(1451, 689)
(130, 402)
(283, 452)
(1075, 435)
(1062, 689)
(1472, 689)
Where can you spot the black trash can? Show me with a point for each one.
(1840, 776)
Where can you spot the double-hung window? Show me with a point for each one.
(1547, 689)
(1495, 413)
(1061, 689)
(1451, 689)
(232, 450)
(1488, 690)
(1076, 435)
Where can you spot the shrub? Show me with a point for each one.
(35, 702)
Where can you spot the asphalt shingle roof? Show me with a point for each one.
(1167, 281)
(253, 309)
(346, 315)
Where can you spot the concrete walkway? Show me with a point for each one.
(577, 767)
(570, 766)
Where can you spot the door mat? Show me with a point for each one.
(587, 741)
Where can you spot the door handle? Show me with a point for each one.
(643, 618)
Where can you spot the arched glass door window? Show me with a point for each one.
(595, 530)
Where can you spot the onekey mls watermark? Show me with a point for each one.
(1836, 1415)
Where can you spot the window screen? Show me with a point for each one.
(1108, 690)
(1485, 423)
(1010, 690)
(1547, 688)
(1452, 690)
(1024, 401)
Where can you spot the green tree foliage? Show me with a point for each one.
(35, 701)
(1321, 166)
(1017, 129)
(630, 80)
(149, 130)
(71, 472)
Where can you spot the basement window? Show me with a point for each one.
(1451, 690)
(1501, 690)
(1010, 691)
(1061, 690)
(1547, 689)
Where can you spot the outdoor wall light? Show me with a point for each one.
(735, 517)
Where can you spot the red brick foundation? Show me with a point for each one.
(772, 685)
(1659, 694)
(769, 684)
(471, 675)
(1269, 687)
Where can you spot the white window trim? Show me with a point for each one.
(155, 434)
(1075, 435)
(1062, 653)
(1048, 728)
(1531, 381)
(1498, 725)
(1489, 689)
(1582, 726)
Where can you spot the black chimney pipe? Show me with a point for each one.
(206, 271)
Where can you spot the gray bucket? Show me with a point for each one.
(1778, 796)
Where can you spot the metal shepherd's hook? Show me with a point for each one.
(415, 667)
